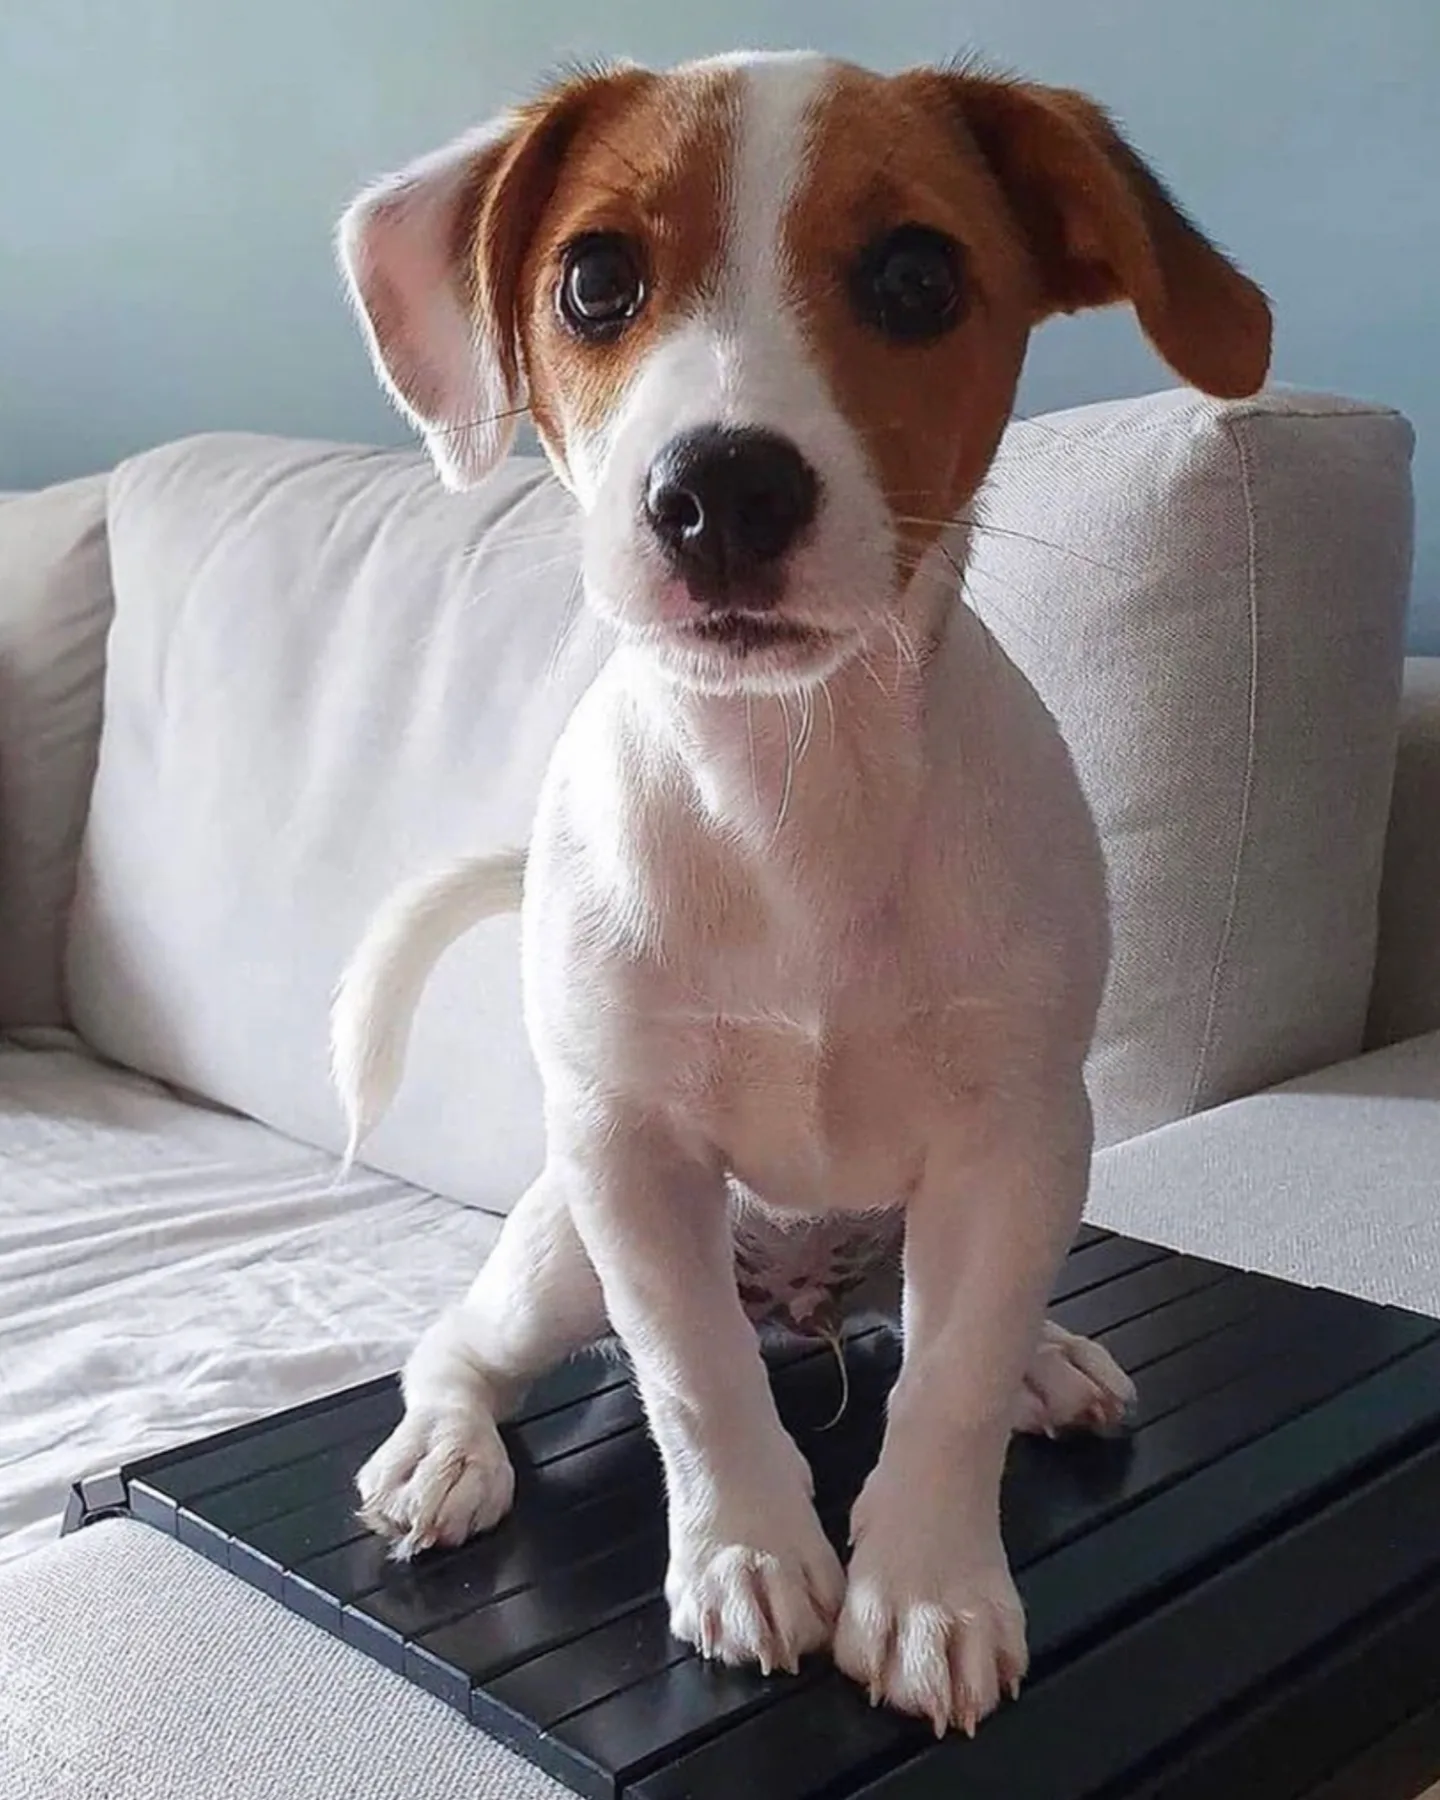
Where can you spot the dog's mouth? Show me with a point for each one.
(745, 633)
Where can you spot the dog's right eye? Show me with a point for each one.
(909, 284)
(601, 287)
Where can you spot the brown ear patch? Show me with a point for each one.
(1102, 227)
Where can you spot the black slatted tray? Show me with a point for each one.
(1240, 1599)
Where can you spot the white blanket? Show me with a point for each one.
(168, 1269)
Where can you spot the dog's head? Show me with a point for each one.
(768, 314)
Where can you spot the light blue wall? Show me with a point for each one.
(172, 167)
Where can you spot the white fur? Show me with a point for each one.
(832, 932)
(375, 1002)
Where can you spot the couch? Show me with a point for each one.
(248, 684)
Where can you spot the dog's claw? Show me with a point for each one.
(1072, 1384)
(942, 1650)
(739, 1604)
(435, 1481)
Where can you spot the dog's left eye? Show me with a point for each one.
(909, 283)
(601, 285)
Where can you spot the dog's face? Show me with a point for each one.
(768, 314)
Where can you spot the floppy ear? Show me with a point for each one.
(407, 246)
(1101, 227)
(433, 256)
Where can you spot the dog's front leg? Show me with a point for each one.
(752, 1577)
(932, 1623)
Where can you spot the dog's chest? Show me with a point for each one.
(817, 1093)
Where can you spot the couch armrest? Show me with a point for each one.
(1405, 1000)
(55, 609)
(138, 1668)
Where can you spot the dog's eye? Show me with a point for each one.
(909, 283)
(601, 285)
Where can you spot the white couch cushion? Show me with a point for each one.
(168, 1270)
(55, 607)
(1219, 629)
(1330, 1181)
(327, 674)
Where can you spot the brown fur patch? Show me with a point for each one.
(881, 154)
(1053, 211)
(648, 157)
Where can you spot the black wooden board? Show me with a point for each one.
(1239, 1598)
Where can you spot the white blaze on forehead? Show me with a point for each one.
(778, 97)
(739, 357)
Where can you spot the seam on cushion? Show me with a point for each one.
(1232, 904)
(1226, 421)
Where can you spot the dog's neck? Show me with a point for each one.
(827, 781)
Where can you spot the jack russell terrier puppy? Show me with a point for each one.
(814, 911)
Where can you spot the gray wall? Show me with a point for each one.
(172, 168)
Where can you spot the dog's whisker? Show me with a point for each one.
(989, 528)
(905, 647)
(547, 534)
(987, 612)
(789, 782)
(509, 412)
(479, 563)
(986, 528)
(573, 606)
(977, 523)
(539, 540)
(869, 668)
(807, 723)
(956, 569)
(829, 700)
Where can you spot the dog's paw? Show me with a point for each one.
(945, 1644)
(437, 1480)
(768, 1601)
(1072, 1384)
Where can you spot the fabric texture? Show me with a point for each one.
(132, 1669)
(326, 675)
(1330, 1181)
(1211, 600)
(168, 1270)
(55, 607)
(1406, 996)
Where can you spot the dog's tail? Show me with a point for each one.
(375, 1002)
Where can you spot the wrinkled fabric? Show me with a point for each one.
(168, 1270)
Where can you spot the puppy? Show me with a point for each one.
(814, 912)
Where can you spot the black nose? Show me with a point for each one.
(727, 504)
